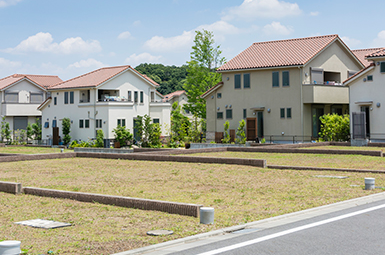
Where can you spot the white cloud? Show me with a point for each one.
(275, 28)
(253, 9)
(379, 41)
(5, 3)
(124, 35)
(145, 57)
(43, 42)
(314, 13)
(87, 63)
(351, 42)
(5, 63)
(185, 40)
(137, 23)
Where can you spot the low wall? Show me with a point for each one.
(102, 150)
(172, 158)
(11, 187)
(129, 202)
(141, 150)
(325, 169)
(215, 145)
(25, 157)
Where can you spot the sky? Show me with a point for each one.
(72, 37)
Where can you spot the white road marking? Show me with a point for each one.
(289, 231)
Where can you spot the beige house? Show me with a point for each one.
(281, 88)
(180, 97)
(367, 101)
(20, 95)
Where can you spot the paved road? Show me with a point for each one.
(351, 227)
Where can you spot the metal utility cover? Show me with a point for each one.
(47, 224)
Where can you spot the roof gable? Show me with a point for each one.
(43, 81)
(361, 54)
(292, 52)
(99, 77)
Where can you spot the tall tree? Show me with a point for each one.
(201, 72)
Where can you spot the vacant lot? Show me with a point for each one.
(30, 150)
(239, 194)
(316, 160)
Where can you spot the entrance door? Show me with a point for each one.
(136, 135)
(260, 124)
(316, 123)
(251, 128)
(366, 110)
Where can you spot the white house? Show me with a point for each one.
(367, 102)
(180, 97)
(21, 94)
(102, 99)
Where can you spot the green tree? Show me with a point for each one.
(29, 131)
(335, 127)
(5, 131)
(180, 124)
(241, 136)
(99, 138)
(122, 135)
(36, 129)
(66, 126)
(226, 134)
(205, 59)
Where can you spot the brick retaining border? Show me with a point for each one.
(11, 187)
(326, 169)
(184, 159)
(25, 157)
(129, 202)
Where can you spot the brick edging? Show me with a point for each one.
(24, 157)
(11, 187)
(325, 169)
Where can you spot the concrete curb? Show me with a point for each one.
(325, 169)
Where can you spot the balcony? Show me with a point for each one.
(20, 109)
(325, 94)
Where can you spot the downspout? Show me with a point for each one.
(302, 122)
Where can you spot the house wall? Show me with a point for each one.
(370, 91)
(107, 111)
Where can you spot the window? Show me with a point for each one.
(219, 95)
(288, 113)
(275, 79)
(152, 96)
(46, 124)
(285, 78)
(382, 67)
(98, 123)
(229, 113)
(55, 100)
(87, 123)
(141, 97)
(54, 123)
(369, 78)
(71, 97)
(36, 97)
(135, 96)
(246, 81)
(244, 113)
(219, 115)
(122, 122)
(155, 121)
(282, 113)
(65, 97)
(237, 81)
(129, 96)
(81, 123)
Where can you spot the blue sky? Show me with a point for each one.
(69, 38)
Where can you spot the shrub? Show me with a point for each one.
(99, 138)
(335, 127)
(66, 126)
(226, 135)
(122, 135)
(241, 136)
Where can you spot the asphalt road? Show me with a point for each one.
(351, 227)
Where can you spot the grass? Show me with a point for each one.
(31, 150)
(316, 160)
(239, 194)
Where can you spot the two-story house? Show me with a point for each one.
(103, 99)
(21, 94)
(367, 101)
(180, 97)
(281, 88)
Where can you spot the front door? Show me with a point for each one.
(366, 110)
(251, 128)
(316, 125)
(260, 124)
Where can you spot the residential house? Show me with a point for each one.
(281, 88)
(103, 99)
(180, 97)
(367, 101)
(21, 94)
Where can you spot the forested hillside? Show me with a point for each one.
(170, 78)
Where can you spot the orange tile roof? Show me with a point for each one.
(97, 77)
(44, 81)
(359, 73)
(362, 53)
(173, 94)
(379, 53)
(290, 52)
(219, 84)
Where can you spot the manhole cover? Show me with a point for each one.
(160, 232)
(47, 224)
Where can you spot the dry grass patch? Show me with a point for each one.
(315, 160)
(239, 194)
(30, 150)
